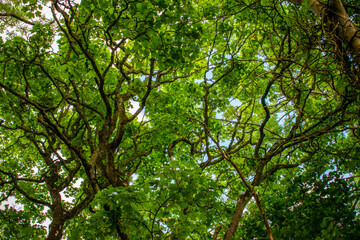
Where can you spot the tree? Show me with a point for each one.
(317, 204)
(236, 98)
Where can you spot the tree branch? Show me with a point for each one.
(17, 16)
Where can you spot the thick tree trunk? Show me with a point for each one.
(239, 209)
(58, 213)
(56, 229)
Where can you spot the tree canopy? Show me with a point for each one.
(161, 119)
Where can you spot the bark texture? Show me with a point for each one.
(338, 23)
(239, 209)
(56, 228)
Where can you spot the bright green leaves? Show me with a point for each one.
(180, 204)
(149, 29)
(15, 224)
(171, 105)
(248, 82)
(319, 208)
(143, 7)
(33, 8)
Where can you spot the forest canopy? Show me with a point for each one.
(162, 119)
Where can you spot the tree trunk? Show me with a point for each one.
(337, 22)
(58, 213)
(56, 228)
(239, 209)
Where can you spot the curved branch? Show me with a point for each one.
(22, 191)
(18, 17)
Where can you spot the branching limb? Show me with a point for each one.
(248, 186)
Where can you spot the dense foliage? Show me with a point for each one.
(179, 119)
